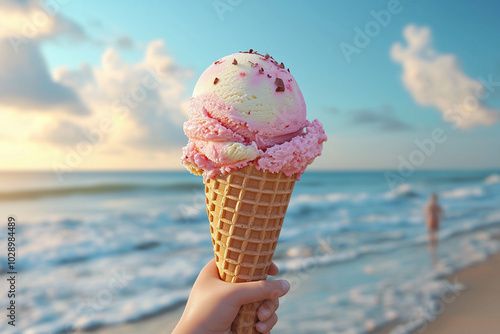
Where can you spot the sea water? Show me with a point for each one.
(103, 248)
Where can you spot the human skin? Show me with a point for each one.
(214, 304)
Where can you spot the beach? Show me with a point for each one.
(352, 143)
(477, 309)
(118, 252)
(474, 310)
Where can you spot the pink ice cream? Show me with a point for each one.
(247, 108)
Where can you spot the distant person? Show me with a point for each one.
(433, 214)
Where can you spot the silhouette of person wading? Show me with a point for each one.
(433, 214)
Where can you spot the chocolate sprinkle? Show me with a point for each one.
(216, 81)
(269, 75)
(288, 70)
(264, 57)
(281, 86)
(235, 62)
(261, 71)
(253, 64)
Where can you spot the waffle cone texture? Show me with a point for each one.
(246, 209)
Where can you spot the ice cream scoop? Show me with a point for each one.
(249, 137)
(247, 108)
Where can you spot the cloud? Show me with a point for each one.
(125, 42)
(134, 110)
(436, 80)
(146, 100)
(64, 133)
(32, 20)
(26, 84)
(384, 119)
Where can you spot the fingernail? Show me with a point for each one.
(264, 312)
(285, 285)
(261, 326)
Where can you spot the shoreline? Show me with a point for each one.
(475, 309)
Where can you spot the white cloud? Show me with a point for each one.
(143, 103)
(436, 80)
(25, 82)
(33, 20)
(27, 85)
(145, 100)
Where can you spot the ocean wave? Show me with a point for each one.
(147, 304)
(404, 190)
(344, 239)
(334, 197)
(463, 193)
(455, 179)
(323, 254)
(494, 178)
(97, 189)
(375, 302)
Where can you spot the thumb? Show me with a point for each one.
(250, 292)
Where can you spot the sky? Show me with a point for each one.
(93, 85)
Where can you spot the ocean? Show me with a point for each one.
(103, 248)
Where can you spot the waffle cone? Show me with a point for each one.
(246, 209)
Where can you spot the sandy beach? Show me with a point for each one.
(118, 120)
(474, 310)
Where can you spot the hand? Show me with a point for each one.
(214, 304)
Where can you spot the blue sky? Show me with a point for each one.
(372, 117)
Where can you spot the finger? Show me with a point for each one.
(209, 271)
(266, 309)
(266, 326)
(273, 269)
(250, 292)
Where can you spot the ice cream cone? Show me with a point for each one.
(246, 209)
